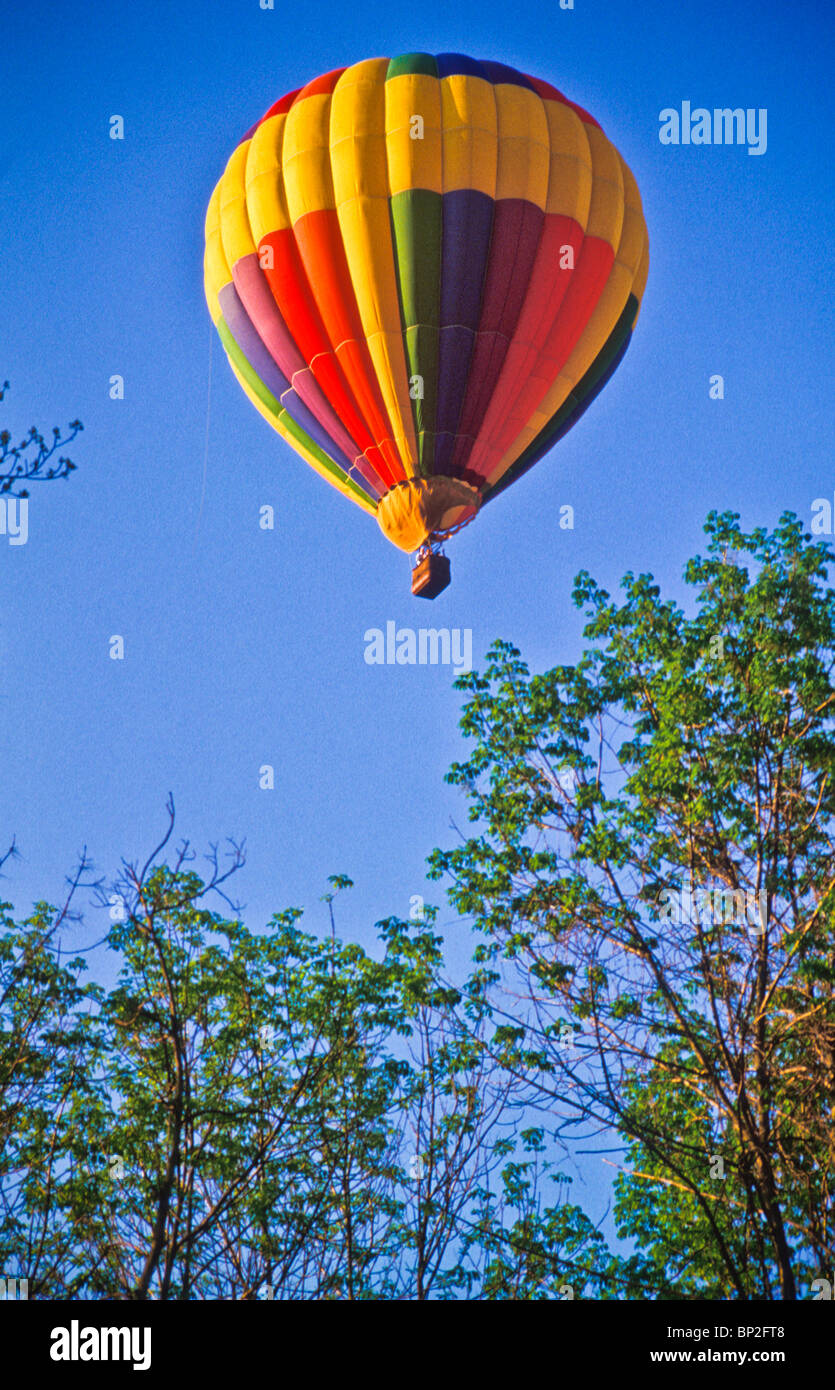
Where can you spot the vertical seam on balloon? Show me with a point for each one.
(453, 433)
(440, 259)
(563, 374)
(547, 437)
(310, 451)
(380, 438)
(509, 387)
(291, 335)
(421, 464)
(457, 436)
(310, 403)
(345, 383)
(481, 412)
(554, 327)
(379, 354)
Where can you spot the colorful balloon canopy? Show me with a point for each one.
(423, 269)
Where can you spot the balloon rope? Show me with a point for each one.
(206, 445)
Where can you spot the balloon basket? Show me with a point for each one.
(430, 575)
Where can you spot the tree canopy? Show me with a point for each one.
(654, 860)
(649, 877)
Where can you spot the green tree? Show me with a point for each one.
(49, 1049)
(271, 1114)
(653, 873)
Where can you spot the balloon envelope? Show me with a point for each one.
(423, 269)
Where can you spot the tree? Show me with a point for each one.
(257, 1114)
(655, 864)
(30, 460)
(48, 1046)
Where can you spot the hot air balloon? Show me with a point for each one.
(423, 269)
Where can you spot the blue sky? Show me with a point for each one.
(245, 647)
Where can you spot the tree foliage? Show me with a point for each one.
(654, 862)
(270, 1114)
(650, 871)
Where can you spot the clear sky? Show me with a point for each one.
(245, 647)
